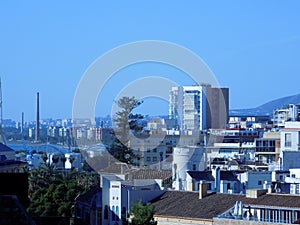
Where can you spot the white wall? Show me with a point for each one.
(184, 159)
(289, 160)
(255, 179)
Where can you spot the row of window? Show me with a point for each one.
(154, 159)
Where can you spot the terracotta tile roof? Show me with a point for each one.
(188, 205)
(117, 168)
(151, 174)
(279, 200)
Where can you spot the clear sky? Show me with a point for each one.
(253, 48)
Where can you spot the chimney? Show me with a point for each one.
(202, 189)
(270, 189)
(37, 124)
(255, 193)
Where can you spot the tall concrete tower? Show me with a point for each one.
(37, 123)
(22, 124)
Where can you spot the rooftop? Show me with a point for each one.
(185, 204)
(5, 148)
(87, 197)
(207, 175)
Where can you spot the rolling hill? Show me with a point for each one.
(267, 108)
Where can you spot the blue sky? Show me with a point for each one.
(253, 48)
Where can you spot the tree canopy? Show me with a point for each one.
(142, 214)
(126, 123)
(52, 192)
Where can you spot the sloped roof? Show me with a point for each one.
(117, 168)
(201, 175)
(188, 205)
(277, 200)
(89, 194)
(207, 175)
(5, 148)
(13, 212)
(151, 174)
(228, 175)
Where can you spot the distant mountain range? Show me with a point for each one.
(267, 108)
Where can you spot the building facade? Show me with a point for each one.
(199, 107)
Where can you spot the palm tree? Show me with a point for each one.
(44, 157)
(55, 159)
(71, 160)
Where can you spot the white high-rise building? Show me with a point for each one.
(199, 107)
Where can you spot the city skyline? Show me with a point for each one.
(251, 47)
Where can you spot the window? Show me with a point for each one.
(259, 182)
(148, 158)
(194, 167)
(113, 215)
(117, 212)
(228, 186)
(208, 185)
(154, 158)
(123, 212)
(288, 140)
(148, 150)
(155, 150)
(106, 212)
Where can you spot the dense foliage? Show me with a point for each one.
(52, 192)
(142, 214)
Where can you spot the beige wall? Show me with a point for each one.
(221, 221)
(181, 221)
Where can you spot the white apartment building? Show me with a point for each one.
(290, 113)
(199, 107)
(118, 196)
(290, 146)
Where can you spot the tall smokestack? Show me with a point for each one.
(37, 124)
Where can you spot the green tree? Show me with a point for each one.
(52, 192)
(142, 214)
(125, 123)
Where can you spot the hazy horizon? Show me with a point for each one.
(252, 48)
